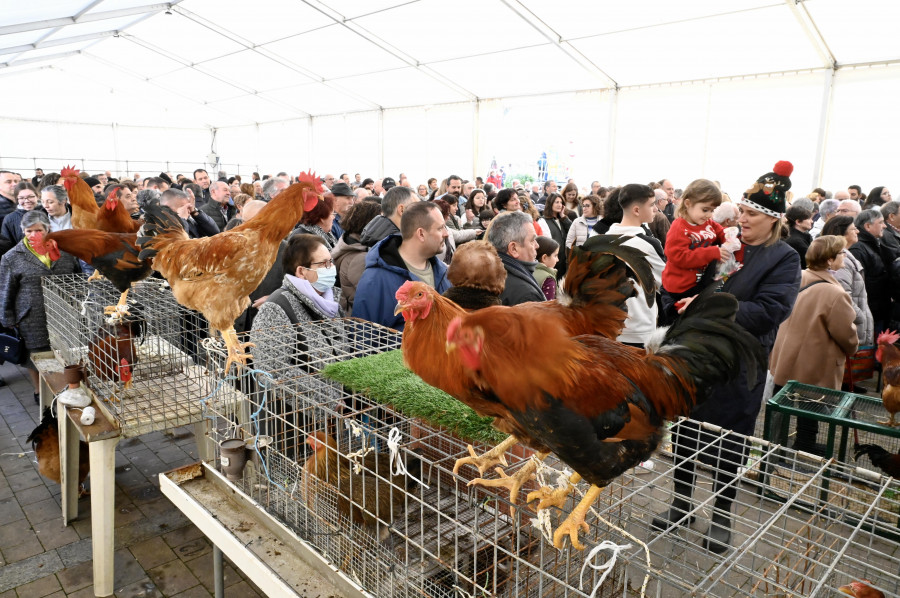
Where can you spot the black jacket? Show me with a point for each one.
(6, 207)
(520, 283)
(212, 210)
(869, 253)
(890, 244)
(201, 225)
(558, 229)
(799, 242)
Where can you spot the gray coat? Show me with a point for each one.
(852, 279)
(21, 298)
(290, 359)
(350, 259)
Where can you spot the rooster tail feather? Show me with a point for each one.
(599, 272)
(710, 345)
(872, 450)
(160, 222)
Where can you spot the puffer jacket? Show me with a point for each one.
(349, 257)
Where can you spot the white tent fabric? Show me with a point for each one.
(615, 90)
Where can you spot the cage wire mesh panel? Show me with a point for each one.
(390, 533)
(150, 369)
(801, 525)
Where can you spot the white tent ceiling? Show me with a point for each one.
(215, 63)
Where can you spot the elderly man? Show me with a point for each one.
(343, 199)
(361, 193)
(890, 240)
(219, 207)
(868, 252)
(848, 207)
(660, 225)
(667, 186)
(8, 201)
(272, 187)
(827, 211)
(411, 255)
(512, 235)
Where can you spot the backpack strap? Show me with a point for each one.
(811, 284)
(280, 299)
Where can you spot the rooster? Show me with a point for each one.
(111, 218)
(592, 302)
(861, 589)
(112, 352)
(114, 255)
(375, 500)
(597, 404)
(215, 275)
(887, 462)
(44, 441)
(889, 357)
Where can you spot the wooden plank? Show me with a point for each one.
(69, 453)
(103, 513)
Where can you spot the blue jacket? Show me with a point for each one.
(766, 288)
(385, 272)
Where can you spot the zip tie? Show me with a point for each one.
(397, 465)
(605, 567)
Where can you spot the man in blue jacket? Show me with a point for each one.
(398, 258)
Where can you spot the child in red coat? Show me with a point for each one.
(693, 243)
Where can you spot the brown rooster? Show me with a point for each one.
(215, 275)
(888, 356)
(114, 255)
(112, 352)
(112, 217)
(44, 441)
(597, 404)
(861, 589)
(592, 302)
(375, 500)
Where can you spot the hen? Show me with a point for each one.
(597, 404)
(592, 302)
(112, 352)
(111, 218)
(44, 441)
(114, 255)
(375, 500)
(887, 462)
(861, 589)
(888, 356)
(215, 275)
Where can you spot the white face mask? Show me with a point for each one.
(326, 279)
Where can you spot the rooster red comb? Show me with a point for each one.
(888, 337)
(311, 178)
(69, 171)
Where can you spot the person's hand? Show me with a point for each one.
(724, 254)
(259, 302)
(683, 304)
(479, 232)
(184, 211)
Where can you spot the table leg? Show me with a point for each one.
(204, 450)
(69, 453)
(103, 512)
(218, 573)
(45, 394)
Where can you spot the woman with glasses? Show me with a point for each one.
(318, 221)
(308, 294)
(28, 199)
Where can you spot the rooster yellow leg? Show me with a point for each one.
(492, 457)
(235, 349)
(888, 422)
(553, 497)
(511, 482)
(95, 276)
(574, 523)
(120, 308)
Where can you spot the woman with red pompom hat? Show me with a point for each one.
(766, 287)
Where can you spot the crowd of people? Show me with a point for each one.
(818, 270)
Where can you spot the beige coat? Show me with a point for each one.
(813, 343)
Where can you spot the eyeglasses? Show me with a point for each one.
(27, 197)
(326, 263)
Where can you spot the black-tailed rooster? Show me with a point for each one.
(215, 275)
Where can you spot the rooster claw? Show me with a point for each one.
(483, 462)
(549, 497)
(571, 528)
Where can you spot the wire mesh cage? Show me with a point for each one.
(423, 534)
(149, 369)
(800, 525)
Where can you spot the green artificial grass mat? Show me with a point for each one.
(384, 379)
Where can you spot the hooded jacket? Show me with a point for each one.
(376, 230)
(385, 273)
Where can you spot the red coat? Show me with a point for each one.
(689, 250)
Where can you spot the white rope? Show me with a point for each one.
(636, 541)
(397, 465)
(354, 428)
(605, 567)
(356, 456)
(544, 524)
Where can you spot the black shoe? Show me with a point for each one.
(718, 537)
(37, 399)
(675, 516)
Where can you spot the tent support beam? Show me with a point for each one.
(58, 42)
(824, 125)
(812, 32)
(87, 18)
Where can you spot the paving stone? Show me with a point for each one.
(87, 592)
(25, 479)
(10, 511)
(171, 455)
(26, 549)
(43, 510)
(59, 594)
(193, 549)
(75, 553)
(28, 570)
(127, 569)
(126, 514)
(77, 577)
(202, 568)
(152, 553)
(33, 495)
(172, 578)
(142, 494)
(245, 590)
(52, 534)
(182, 535)
(39, 587)
(139, 589)
(13, 534)
(195, 592)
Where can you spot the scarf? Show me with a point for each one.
(326, 304)
(45, 259)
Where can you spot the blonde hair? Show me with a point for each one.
(699, 191)
(823, 249)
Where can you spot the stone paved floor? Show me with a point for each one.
(158, 552)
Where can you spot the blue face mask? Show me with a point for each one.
(326, 280)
